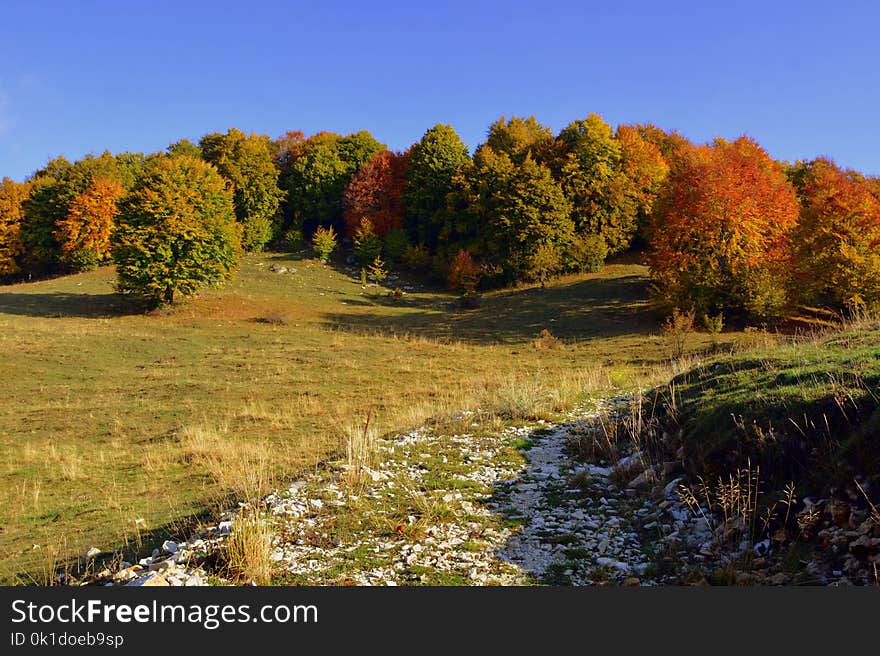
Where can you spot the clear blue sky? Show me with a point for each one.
(803, 78)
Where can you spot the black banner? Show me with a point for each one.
(410, 619)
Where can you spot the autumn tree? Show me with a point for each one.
(592, 175)
(375, 193)
(837, 241)
(721, 233)
(46, 205)
(83, 235)
(12, 196)
(645, 170)
(519, 137)
(176, 231)
(432, 163)
(510, 212)
(671, 144)
(184, 147)
(316, 173)
(248, 163)
(55, 186)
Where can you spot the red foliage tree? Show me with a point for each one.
(375, 193)
(464, 273)
(721, 234)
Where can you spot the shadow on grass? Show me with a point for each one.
(598, 306)
(64, 304)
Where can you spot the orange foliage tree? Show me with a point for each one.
(720, 236)
(12, 195)
(375, 193)
(837, 241)
(84, 234)
(645, 168)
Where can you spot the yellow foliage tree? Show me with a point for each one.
(12, 195)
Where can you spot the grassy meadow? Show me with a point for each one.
(117, 426)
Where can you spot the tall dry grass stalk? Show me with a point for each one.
(247, 554)
(360, 444)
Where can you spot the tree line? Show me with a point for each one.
(724, 227)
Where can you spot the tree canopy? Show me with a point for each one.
(176, 231)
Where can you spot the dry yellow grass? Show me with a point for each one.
(153, 418)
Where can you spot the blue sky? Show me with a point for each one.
(803, 78)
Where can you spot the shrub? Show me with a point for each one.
(292, 239)
(464, 273)
(713, 324)
(585, 253)
(367, 245)
(416, 258)
(176, 231)
(546, 261)
(677, 328)
(377, 270)
(324, 242)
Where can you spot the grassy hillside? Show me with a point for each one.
(806, 410)
(116, 425)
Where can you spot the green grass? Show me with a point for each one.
(116, 427)
(806, 410)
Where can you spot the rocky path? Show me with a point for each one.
(505, 507)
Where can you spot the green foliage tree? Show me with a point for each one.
(55, 187)
(248, 163)
(592, 177)
(46, 206)
(367, 245)
(511, 212)
(176, 231)
(316, 172)
(433, 162)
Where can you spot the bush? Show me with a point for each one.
(377, 270)
(416, 258)
(324, 242)
(677, 329)
(546, 261)
(367, 245)
(176, 231)
(585, 253)
(464, 273)
(292, 239)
